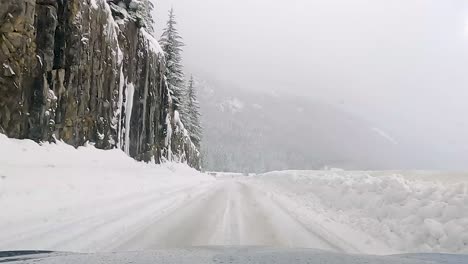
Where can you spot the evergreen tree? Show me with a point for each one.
(194, 126)
(171, 43)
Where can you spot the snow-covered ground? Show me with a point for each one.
(384, 212)
(56, 197)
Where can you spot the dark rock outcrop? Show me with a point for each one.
(84, 71)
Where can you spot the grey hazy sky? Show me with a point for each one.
(402, 64)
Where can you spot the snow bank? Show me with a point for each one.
(408, 213)
(57, 197)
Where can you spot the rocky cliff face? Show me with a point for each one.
(85, 71)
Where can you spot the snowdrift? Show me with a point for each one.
(405, 211)
(53, 196)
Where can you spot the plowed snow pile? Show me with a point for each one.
(408, 211)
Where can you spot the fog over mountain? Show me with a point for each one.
(250, 131)
(396, 68)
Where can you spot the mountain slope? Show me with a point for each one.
(254, 132)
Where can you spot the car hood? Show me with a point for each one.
(225, 255)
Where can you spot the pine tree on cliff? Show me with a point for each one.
(171, 43)
(194, 126)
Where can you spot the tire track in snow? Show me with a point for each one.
(94, 232)
(232, 214)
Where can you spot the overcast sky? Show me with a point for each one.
(402, 64)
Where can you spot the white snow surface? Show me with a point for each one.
(153, 43)
(385, 212)
(61, 198)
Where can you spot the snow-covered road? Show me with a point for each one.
(230, 213)
(55, 197)
(222, 212)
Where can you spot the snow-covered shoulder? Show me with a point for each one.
(383, 212)
(51, 187)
